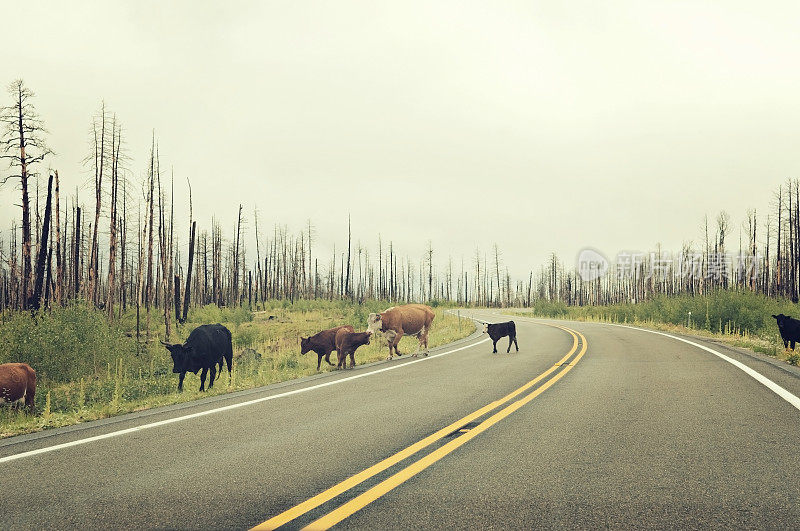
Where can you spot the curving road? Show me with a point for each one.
(589, 425)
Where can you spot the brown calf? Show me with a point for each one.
(17, 381)
(323, 343)
(410, 319)
(347, 343)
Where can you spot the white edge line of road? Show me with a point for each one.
(190, 416)
(760, 378)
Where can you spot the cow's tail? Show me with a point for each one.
(30, 392)
(228, 355)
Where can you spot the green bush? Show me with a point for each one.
(211, 313)
(728, 310)
(65, 343)
(246, 335)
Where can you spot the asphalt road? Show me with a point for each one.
(633, 429)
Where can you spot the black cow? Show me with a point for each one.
(498, 330)
(206, 346)
(789, 329)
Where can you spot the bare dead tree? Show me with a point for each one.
(59, 280)
(112, 232)
(22, 144)
(36, 300)
(97, 158)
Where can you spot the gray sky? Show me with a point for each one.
(541, 126)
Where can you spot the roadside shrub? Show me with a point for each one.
(211, 313)
(64, 343)
(246, 335)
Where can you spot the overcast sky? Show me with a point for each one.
(541, 126)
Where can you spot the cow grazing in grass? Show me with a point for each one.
(206, 347)
(323, 343)
(346, 344)
(17, 382)
(394, 323)
(789, 329)
(500, 330)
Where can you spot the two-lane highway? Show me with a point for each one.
(588, 425)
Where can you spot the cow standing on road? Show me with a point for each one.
(17, 382)
(500, 330)
(206, 346)
(397, 321)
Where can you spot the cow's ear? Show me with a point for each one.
(774, 316)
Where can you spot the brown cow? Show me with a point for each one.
(346, 343)
(323, 343)
(397, 321)
(17, 381)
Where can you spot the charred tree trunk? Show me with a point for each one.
(76, 258)
(36, 300)
(188, 292)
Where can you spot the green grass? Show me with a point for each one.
(739, 318)
(89, 369)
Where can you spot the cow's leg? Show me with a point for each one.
(203, 378)
(328, 357)
(396, 341)
(30, 394)
(180, 381)
(389, 338)
(494, 346)
(353, 359)
(792, 344)
(515, 342)
(419, 344)
(213, 375)
(319, 359)
(510, 340)
(786, 344)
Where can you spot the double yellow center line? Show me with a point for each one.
(359, 502)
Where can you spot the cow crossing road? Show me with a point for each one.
(456, 434)
(588, 425)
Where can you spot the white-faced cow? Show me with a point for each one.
(394, 323)
(500, 330)
(17, 382)
(206, 347)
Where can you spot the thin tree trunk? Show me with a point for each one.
(36, 301)
(188, 292)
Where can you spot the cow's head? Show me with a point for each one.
(374, 322)
(305, 344)
(782, 320)
(485, 328)
(180, 356)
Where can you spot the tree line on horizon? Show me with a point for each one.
(124, 251)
